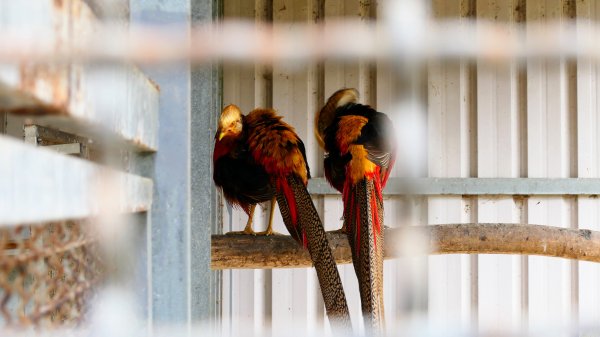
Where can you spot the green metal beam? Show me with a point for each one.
(477, 186)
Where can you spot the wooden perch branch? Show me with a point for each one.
(281, 251)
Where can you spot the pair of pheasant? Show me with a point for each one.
(258, 157)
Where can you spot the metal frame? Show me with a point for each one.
(59, 141)
(183, 289)
(206, 102)
(69, 149)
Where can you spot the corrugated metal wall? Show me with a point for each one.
(537, 119)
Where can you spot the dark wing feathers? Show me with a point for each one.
(243, 180)
(303, 151)
(377, 138)
(335, 169)
(334, 163)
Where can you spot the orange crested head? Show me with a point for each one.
(230, 123)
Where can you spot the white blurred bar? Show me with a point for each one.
(249, 41)
(40, 185)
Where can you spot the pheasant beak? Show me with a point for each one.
(221, 135)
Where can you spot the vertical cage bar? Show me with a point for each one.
(499, 144)
(291, 97)
(184, 289)
(451, 278)
(206, 101)
(2, 123)
(338, 75)
(588, 149)
(548, 120)
(263, 97)
(239, 87)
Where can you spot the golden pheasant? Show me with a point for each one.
(259, 157)
(360, 152)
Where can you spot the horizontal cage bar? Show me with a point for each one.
(44, 185)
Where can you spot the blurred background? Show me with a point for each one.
(108, 111)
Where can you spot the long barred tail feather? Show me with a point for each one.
(313, 232)
(289, 210)
(363, 209)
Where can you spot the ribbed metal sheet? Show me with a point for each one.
(502, 122)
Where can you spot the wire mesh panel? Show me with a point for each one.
(47, 273)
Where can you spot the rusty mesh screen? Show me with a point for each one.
(48, 274)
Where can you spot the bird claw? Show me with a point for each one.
(244, 232)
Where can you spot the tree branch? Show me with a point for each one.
(281, 251)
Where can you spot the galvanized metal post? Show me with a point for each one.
(184, 214)
(205, 107)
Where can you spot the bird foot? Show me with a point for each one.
(244, 232)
